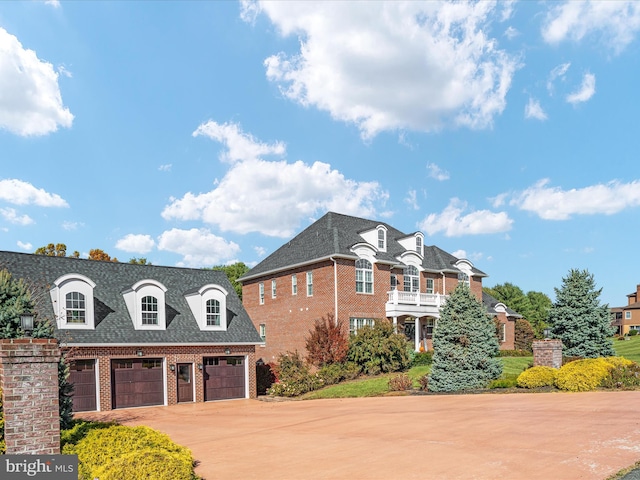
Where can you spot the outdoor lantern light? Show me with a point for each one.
(139, 353)
(199, 366)
(172, 367)
(227, 351)
(547, 332)
(26, 322)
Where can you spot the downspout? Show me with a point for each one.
(335, 289)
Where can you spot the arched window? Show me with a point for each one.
(213, 313)
(419, 245)
(364, 276)
(411, 279)
(76, 308)
(149, 310)
(382, 239)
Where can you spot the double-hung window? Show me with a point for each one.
(213, 313)
(273, 289)
(309, 284)
(76, 308)
(411, 279)
(364, 276)
(261, 290)
(149, 310)
(294, 284)
(429, 285)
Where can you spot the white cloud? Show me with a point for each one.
(511, 33)
(24, 246)
(453, 223)
(557, 72)
(586, 90)
(240, 145)
(553, 203)
(617, 22)
(394, 65)
(70, 225)
(165, 168)
(411, 199)
(11, 216)
(23, 193)
(198, 247)
(62, 70)
(260, 251)
(136, 243)
(534, 110)
(460, 254)
(31, 103)
(272, 197)
(436, 172)
(53, 3)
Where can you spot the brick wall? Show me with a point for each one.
(547, 353)
(170, 355)
(29, 382)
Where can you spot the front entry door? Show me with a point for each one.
(185, 382)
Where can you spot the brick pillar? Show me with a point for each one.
(29, 382)
(547, 353)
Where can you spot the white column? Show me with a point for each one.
(418, 327)
(395, 324)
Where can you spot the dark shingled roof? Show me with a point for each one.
(334, 235)
(113, 323)
(490, 302)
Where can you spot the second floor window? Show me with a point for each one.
(149, 310)
(411, 279)
(309, 284)
(394, 281)
(429, 285)
(364, 276)
(76, 309)
(213, 313)
(463, 278)
(263, 332)
(294, 285)
(627, 315)
(261, 290)
(273, 289)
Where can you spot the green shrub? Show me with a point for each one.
(293, 376)
(147, 464)
(421, 359)
(514, 353)
(79, 430)
(633, 333)
(338, 372)
(400, 383)
(523, 335)
(265, 377)
(102, 447)
(535, 377)
(583, 375)
(506, 381)
(623, 377)
(378, 349)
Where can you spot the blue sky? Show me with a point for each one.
(207, 132)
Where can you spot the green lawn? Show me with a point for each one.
(629, 349)
(379, 385)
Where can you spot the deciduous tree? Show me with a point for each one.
(234, 272)
(327, 342)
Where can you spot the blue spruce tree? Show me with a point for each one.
(465, 345)
(579, 320)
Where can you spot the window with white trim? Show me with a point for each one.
(419, 244)
(213, 313)
(145, 302)
(261, 289)
(429, 326)
(464, 278)
(411, 279)
(76, 308)
(364, 276)
(503, 332)
(273, 289)
(357, 323)
(429, 285)
(294, 284)
(149, 310)
(382, 239)
(72, 301)
(263, 332)
(627, 315)
(309, 284)
(394, 281)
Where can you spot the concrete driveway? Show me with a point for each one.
(492, 436)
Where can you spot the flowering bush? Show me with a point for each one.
(583, 375)
(539, 376)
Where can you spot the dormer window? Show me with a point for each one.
(382, 238)
(209, 307)
(419, 244)
(145, 302)
(72, 299)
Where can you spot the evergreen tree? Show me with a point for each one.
(16, 298)
(579, 320)
(465, 346)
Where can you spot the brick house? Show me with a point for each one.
(627, 318)
(141, 335)
(358, 270)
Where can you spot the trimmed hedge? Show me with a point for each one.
(539, 376)
(583, 375)
(112, 452)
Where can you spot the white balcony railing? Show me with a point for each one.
(399, 297)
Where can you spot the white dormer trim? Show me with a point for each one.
(198, 304)
(73, 282)
(411, 257)
(419, 238)
(133, 299)
(500, 308)
(371, 237)
(410, 243)
(466, 267)
(366, 251)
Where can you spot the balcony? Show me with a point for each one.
(413, 303)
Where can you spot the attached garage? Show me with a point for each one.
(137, 382)
(224, 378)
(82, 374)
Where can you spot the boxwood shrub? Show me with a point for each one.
(539, 376)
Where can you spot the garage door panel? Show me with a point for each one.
(83, 377)
(224, 378)
(137, 382)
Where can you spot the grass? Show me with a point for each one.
(629, 349)
(515, 365)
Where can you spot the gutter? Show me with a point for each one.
(335, 289)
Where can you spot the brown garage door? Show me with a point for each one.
(137, 382)
(82, 374)
(224, 377)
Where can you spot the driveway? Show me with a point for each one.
(517, 436)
